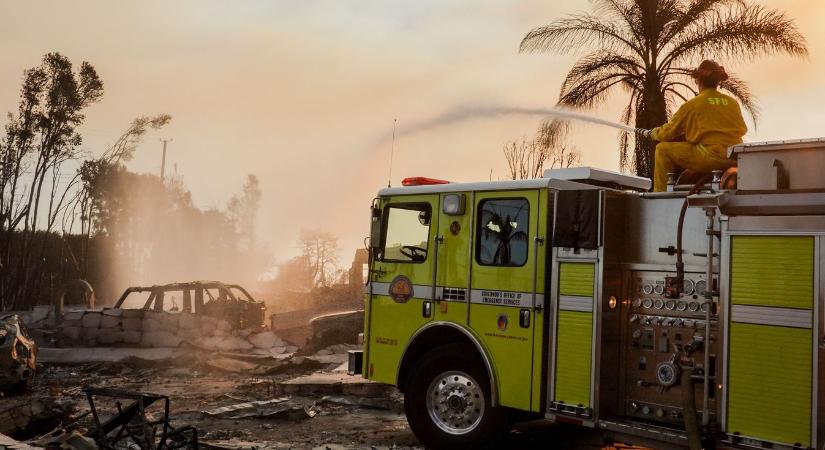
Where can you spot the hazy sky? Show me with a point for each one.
(298, 92)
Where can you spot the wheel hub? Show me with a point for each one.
(455, 402)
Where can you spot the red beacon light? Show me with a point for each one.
(422, 181)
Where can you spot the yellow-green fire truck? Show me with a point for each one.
(689, 318)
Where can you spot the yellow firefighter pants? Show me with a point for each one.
(698, 158)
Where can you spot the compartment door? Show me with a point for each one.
(577, 247)
(770, 362)
(572, 390)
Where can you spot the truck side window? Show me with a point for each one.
(501, 237)
(407, 233)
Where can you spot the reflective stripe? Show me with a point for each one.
(479, 296)
(504, 298)
(783, 317)
(575, 303)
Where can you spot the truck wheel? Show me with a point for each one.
(447, 400)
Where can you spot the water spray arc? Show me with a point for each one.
(464, 114)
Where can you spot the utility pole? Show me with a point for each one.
(163, 159)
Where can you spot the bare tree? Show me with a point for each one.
(321, 252)
(527, 159)
(551, 136)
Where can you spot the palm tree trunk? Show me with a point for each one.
(651, 113)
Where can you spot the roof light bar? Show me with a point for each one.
(422, 181)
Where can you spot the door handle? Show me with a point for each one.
(524, 318)
(427, 309)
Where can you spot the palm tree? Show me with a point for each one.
(648, 47)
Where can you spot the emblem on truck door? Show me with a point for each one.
(502, 322)
(401, 289)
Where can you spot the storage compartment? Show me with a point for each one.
(780, 165)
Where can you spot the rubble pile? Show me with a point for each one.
(25, 419)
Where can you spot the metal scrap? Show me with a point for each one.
(133, 425)
(18, 354)
(276, 408)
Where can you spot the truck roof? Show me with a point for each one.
(575, 178)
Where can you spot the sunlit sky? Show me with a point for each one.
(299, 91)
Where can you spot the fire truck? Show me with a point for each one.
(690, 318)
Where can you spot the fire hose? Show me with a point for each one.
(680, 265)
(694, 435)
(688, 393)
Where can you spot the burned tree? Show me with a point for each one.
(321, 252)
(39, 139)
(527, 159)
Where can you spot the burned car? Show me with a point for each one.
(18, 354)
(229, 302)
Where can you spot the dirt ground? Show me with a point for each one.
(194, 389)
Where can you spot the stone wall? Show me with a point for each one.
(145, 328)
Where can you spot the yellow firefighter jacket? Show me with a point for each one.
(712, 119)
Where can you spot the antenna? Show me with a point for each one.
(392, 150)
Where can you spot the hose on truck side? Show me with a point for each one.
(680, 265)
(694, 435)
(689, 411)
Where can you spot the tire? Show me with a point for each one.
(448, 403)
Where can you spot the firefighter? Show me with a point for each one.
(698, 135)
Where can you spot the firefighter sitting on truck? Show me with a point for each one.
(699, 134)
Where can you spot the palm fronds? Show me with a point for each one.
(645, 47)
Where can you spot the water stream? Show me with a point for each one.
(464, 114)
(573, 115)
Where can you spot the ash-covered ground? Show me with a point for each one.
(307, 402)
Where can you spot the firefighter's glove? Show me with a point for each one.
(645, 133)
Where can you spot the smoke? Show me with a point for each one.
(154, 234)
(467, 113)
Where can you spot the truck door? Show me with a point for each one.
(507, 258)
(400, 293)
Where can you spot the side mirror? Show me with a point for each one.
(375, 226)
